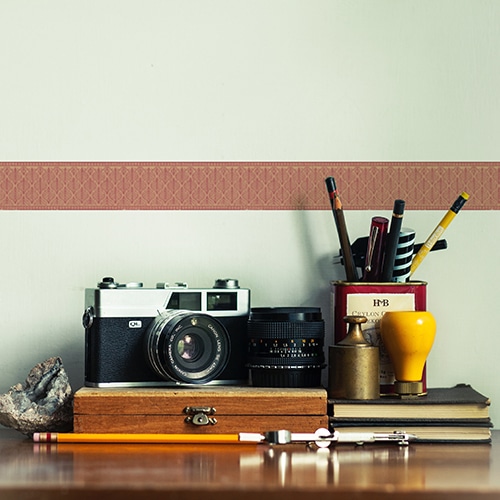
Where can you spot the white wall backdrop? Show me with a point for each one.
(167, 80)
(229, 80)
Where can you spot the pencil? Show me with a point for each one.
(345, 245)
(438, 231)
(58, 437)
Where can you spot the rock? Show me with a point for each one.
(44, 403)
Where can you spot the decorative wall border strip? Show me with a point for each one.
(244, 185)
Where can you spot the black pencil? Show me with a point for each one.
(345, 245)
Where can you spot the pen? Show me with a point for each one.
(438, 231)
(392, 240)
(375, 249)
(338, 215)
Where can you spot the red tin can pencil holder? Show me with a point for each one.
(372, 300)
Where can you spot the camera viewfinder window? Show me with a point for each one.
(189, 301)
(217, 301)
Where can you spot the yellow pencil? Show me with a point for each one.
(436, 234)
(58, 437)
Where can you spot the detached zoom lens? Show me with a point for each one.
(188, 347)
(285, 347)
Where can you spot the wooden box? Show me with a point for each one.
(214, 410)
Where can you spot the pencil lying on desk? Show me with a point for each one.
(58, 437)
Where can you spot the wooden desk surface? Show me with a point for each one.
(244, 472)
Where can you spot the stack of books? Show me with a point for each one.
(454, 414)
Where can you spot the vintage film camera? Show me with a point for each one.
(136, 336)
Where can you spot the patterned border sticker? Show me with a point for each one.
(244, 185)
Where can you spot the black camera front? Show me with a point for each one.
(163, 336)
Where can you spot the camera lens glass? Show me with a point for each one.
(285, 346)
(187, 347)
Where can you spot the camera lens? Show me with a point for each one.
(285, 347)
(187, 347)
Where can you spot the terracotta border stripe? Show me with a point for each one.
(244, 185)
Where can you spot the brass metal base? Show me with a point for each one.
(408, 389)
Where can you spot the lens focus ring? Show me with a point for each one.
(283, 330)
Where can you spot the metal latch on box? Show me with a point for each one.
(200, 415)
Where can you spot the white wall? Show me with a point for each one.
(124, 80)
(241, 81)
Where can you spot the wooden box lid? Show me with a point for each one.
(235, 409)
(228, 400)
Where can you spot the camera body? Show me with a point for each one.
(163, 336)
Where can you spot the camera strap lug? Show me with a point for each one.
(200, 415)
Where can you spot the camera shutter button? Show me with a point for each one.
(226, 283)
(107, 282)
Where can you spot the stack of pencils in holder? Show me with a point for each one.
(387, 244)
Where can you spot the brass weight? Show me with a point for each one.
(354, 365)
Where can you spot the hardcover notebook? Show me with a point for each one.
(455, 414)
(461, 402)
